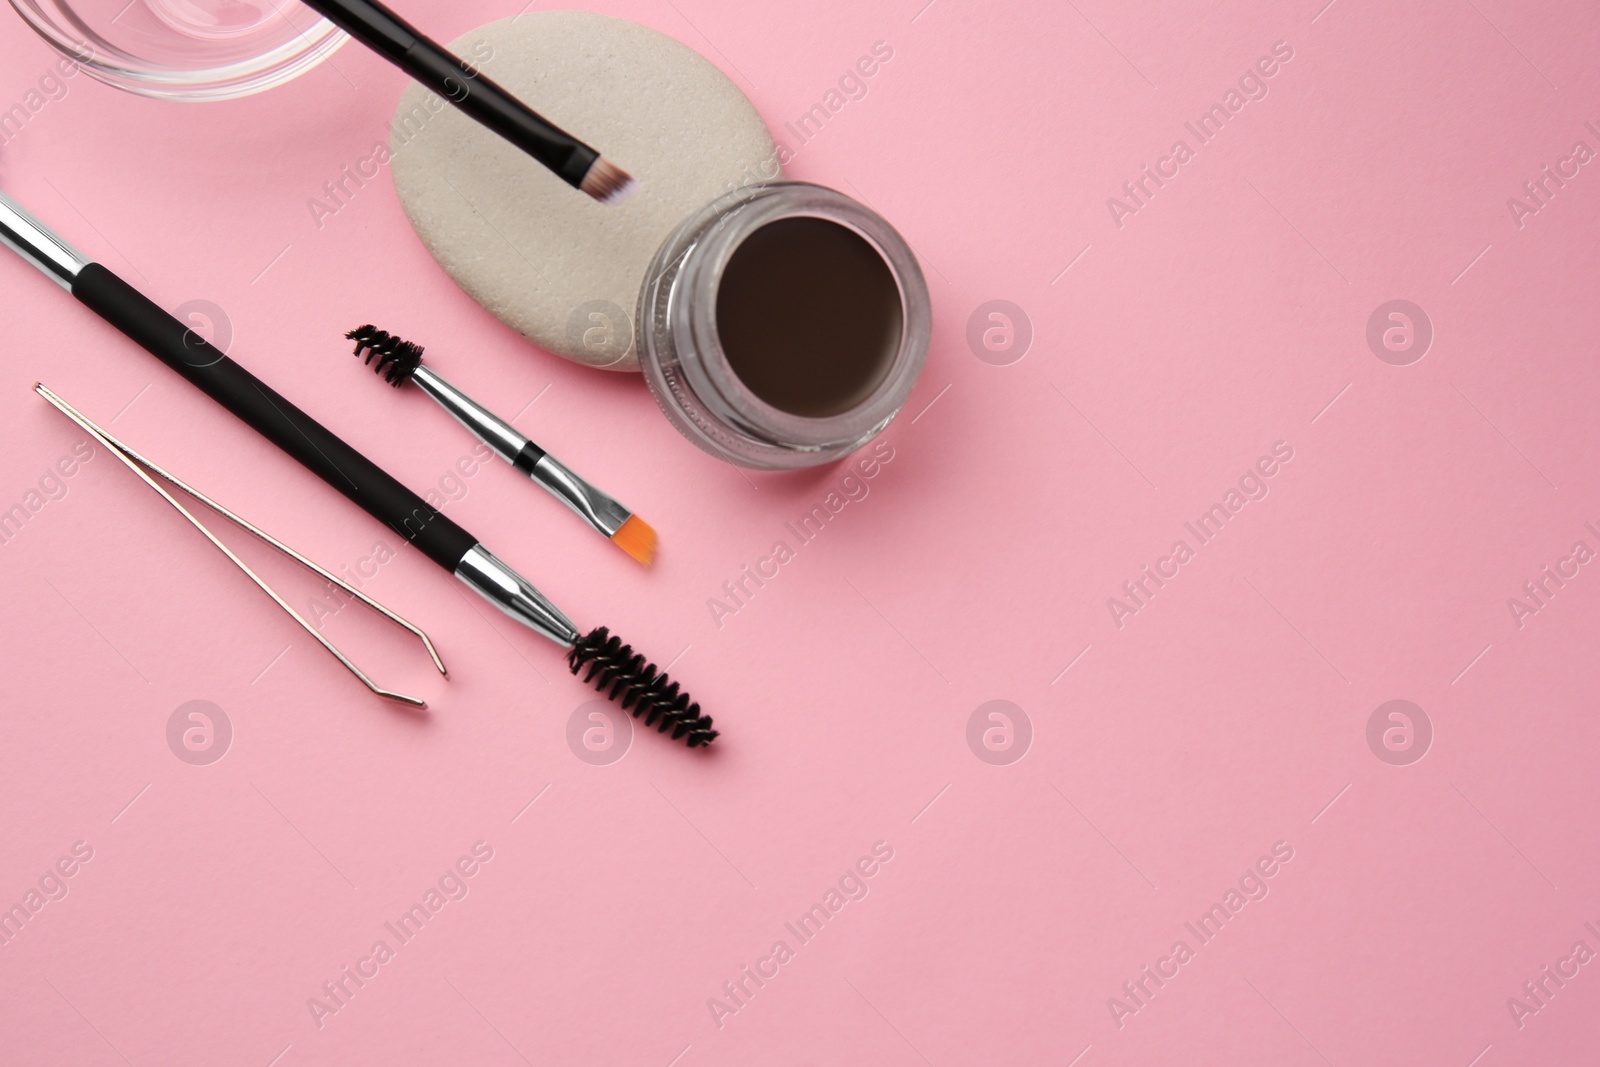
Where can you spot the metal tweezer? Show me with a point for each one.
(144, 468)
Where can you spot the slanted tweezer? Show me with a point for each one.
(144, 468)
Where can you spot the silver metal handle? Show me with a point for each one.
(515, 595)
(596, 508)
(489, 427)
(38, 244)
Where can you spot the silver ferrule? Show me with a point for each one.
(515, 595)
(593, 506)
(38, 244)
(489, 427)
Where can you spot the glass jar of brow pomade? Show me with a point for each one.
(783, 326)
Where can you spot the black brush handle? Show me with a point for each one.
(270, 415)
(459, 82)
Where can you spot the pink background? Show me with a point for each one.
(1167, 755)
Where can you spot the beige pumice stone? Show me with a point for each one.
(545, 259)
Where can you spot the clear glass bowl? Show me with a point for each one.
(185, 49)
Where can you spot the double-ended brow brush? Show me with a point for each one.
(612, 667)
(399, 362)
(387, 34)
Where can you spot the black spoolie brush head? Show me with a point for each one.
(396, 360)
(635, 683)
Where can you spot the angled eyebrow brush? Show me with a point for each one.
(398, 361)
(611, 666)
(389, 35)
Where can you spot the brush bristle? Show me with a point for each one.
(607, 182)
(637, 538)
(394, 359)
(635, 683)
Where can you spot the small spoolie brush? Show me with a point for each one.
(635, 683)
(399, 361)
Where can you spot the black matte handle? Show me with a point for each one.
(459, 82)
(275, 418)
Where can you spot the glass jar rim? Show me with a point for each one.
(724, 224)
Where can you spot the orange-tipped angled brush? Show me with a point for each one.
(400, 362)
